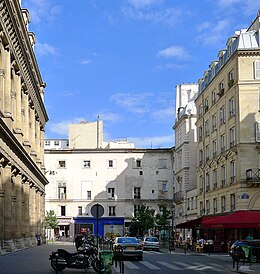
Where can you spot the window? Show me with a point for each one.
(214, 122)
(63, 210)
(207, 207)
(62, 164)
(200, 110)
(207, 128)
(215, 179)
(232, 172)
(221, 87)
(201, 157)
(201, 208)
(222, 115)
(230, 79)
(223, 203)
(141, 172)
(232, 135)
(79, 210)
(215, 205)
(111, 163)
(47, 143)
(137, 193)
(138, 163)
(111, 192)
(207, 182)
(206, 104)
(56, 143)
(223, 142)
(231, 107)
(214, 97)
(86, 188)
(200, 133)
(62, 191)
(111, 211)
(232, 201)
(162, 163)
(86, 164)
(215, 148)
(136, 209)
(164, 187)
(207, 152)
(223, 175)
(201, 184)
(257, 69)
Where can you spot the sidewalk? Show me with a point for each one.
(247, 268)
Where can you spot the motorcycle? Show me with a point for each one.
(84, 258)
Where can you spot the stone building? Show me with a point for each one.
(114, 174)
(228, 171)
(22, 121)
(185, 162)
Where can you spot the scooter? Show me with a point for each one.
(83, 259)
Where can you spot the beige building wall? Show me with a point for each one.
(22, 122)
(228, 112)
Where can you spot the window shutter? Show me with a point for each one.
(257, 132)
(257, 69)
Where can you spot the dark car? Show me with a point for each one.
(130, 246)
(238, 247)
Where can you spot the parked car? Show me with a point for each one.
(130, 246)
(151, 243)
(236, 249)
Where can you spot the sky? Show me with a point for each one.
(122, 59)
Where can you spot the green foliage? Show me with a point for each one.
(144, 220)
(162, 218)
(51, 220)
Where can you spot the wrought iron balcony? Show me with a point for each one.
(178, 197)
(253, 175)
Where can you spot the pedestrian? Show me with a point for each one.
(249, 237)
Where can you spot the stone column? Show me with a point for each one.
(2, 78)
(26, 128)
(18, 122)
(7, 186)
(42, 213)
(2, 195)
(42, 145)
(32, 132)
(26, 215)
(32, 210)
(7, 87)
(18, 212)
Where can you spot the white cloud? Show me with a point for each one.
(211, 34)
(167, 16)
(133, 102)
(153, 142)
(41, 10)
(248, 7)
(108, 116)
(45, 49)
(62, 128)
(174, 51)
(163, 115)
(85, 62)
(144, 3)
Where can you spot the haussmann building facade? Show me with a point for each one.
(22, 121)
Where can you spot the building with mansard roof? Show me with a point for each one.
(22, 121)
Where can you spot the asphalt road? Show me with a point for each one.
(36, 261)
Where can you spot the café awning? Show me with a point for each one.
(196, 223)
(239, 219)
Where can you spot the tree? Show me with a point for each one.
(143, 220)
(51, 220)
(162, 218)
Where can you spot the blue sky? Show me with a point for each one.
(121, 59)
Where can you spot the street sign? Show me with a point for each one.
(97, 210)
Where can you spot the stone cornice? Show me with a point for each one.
(18, 38)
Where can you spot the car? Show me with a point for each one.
(151, 243)
(236, 249)
(130, 246)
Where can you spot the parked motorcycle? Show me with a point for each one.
(85, 258)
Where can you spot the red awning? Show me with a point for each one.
(239, 219)
(196, 223)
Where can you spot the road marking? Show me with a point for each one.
(130, 265)
(173, 267)
(188, 266)
(151, 266)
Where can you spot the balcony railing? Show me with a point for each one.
(253, 175)
(178, 197)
